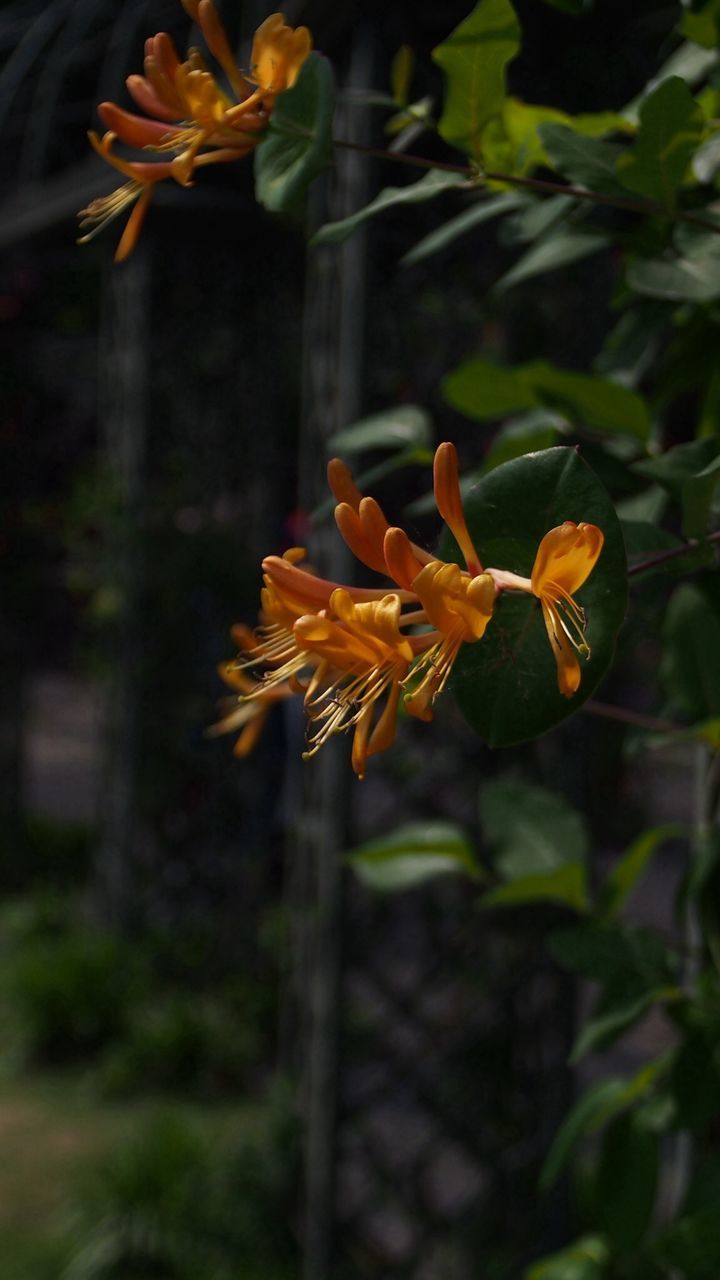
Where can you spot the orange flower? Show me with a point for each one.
(565, 559)
(361, 655)
(347, 648)
(191, 120)
(278, 53)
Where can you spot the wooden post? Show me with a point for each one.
(333, 367)
(124, 360)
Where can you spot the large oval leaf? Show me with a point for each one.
(506, 683)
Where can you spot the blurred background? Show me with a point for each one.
(220, 1055)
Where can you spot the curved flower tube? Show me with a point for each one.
(565, 559)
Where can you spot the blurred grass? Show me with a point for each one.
(52, 1135)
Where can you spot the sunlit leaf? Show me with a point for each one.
(565, 885)
(671, 125)
(412, 855)
(702, 27)
(474, 58)
(586, 1259)
(484, 390)
(401, 74)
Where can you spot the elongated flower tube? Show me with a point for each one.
(459, 608)
(362, 655)
(565, 559)
(193, 117)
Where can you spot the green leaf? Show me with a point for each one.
(671, 126)
(474, 58)
(405, 426)
(506, 684)
(690, 62)
(401, 74)
(692, 1244)
(617, 1011)
(583, 160)
(592, 1111)
(630, 347)
(591, 401)
(587, 1114)
(432, 184)
(614, 953)
(566, 885)
(689, 669)
(643, 539)
(530, 829)
(513, 143)
(677, 279)
(695, 1080)
(482, 211)
(559, 249)
(626, 1181)
(531, 432)
(690, 472)
(483, 390)
(412, 855)
(703, 28)
(298, 143)
(630, 867)
(586, 1259)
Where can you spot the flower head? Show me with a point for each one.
(278, 53)
(193, 116)
(362, 655)
(355, 652)
(565, 559)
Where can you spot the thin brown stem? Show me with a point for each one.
(673, 554)
(474, 174)
(634, 718)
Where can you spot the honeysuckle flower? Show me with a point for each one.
(565, 559)
(459, 608)
(346, 649)
(278, 53)
(192, 117)
(362, 655)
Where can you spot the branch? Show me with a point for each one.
(635, 718)
(650, 207)
(684, 550)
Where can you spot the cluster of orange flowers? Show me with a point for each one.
(193, 117)
(346, 650)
